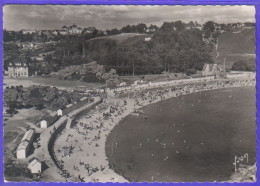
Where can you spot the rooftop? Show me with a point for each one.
(19, 62)
(23, 145)
(28, 135)
(33, 162)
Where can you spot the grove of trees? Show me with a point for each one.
(245, 65)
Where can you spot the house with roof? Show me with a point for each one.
(70, 107)
(49, 120)
(25, 144)
(210, 70)
(35, 166)
(28, 136)
(74, 30)
(22, 150)
(59, 112)
(24, 31)
(19, 68)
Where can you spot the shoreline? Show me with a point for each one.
(97, 129)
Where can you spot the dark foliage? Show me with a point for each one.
(245, 65)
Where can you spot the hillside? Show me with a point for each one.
(171, 48)
(234, 46)
(167, 50)
(119, 37)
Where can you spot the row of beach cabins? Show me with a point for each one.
(27, 141)
(139, 84)
(35, 166)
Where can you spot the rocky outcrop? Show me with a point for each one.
(111, 77)
(91, 72)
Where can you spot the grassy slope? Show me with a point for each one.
(235, 46)
(119, 38)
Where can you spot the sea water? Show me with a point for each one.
(185, 139)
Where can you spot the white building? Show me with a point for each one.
(22, 150)
(59, 112)
(19, 68)
(236, 75)
(48, 120)
(44, 124)
(210, 69)
(83, 99)
(147, 39)
(25, 144)
(35, 166)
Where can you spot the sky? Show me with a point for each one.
(103, 17)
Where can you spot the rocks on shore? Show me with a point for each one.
(246, 173)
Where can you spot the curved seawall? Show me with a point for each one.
(51, 143)
(83, 112)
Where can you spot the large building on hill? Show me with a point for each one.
(19, 68)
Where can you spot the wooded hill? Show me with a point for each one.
(172, 48)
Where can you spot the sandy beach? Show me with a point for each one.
(85, 143)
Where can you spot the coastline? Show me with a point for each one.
(92, 167)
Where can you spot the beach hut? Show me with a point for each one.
(24, 146)
(44, 124)
(59, 112)
(48, 120)
(28, 136)
(35, 166)
(22, 150)
(83, 99)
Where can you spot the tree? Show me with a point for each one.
(244, 65)
(208, 28)
(210, 25)
(141, 28)
(180, 26)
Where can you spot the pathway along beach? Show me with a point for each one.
(81, 149)
(186, 139)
